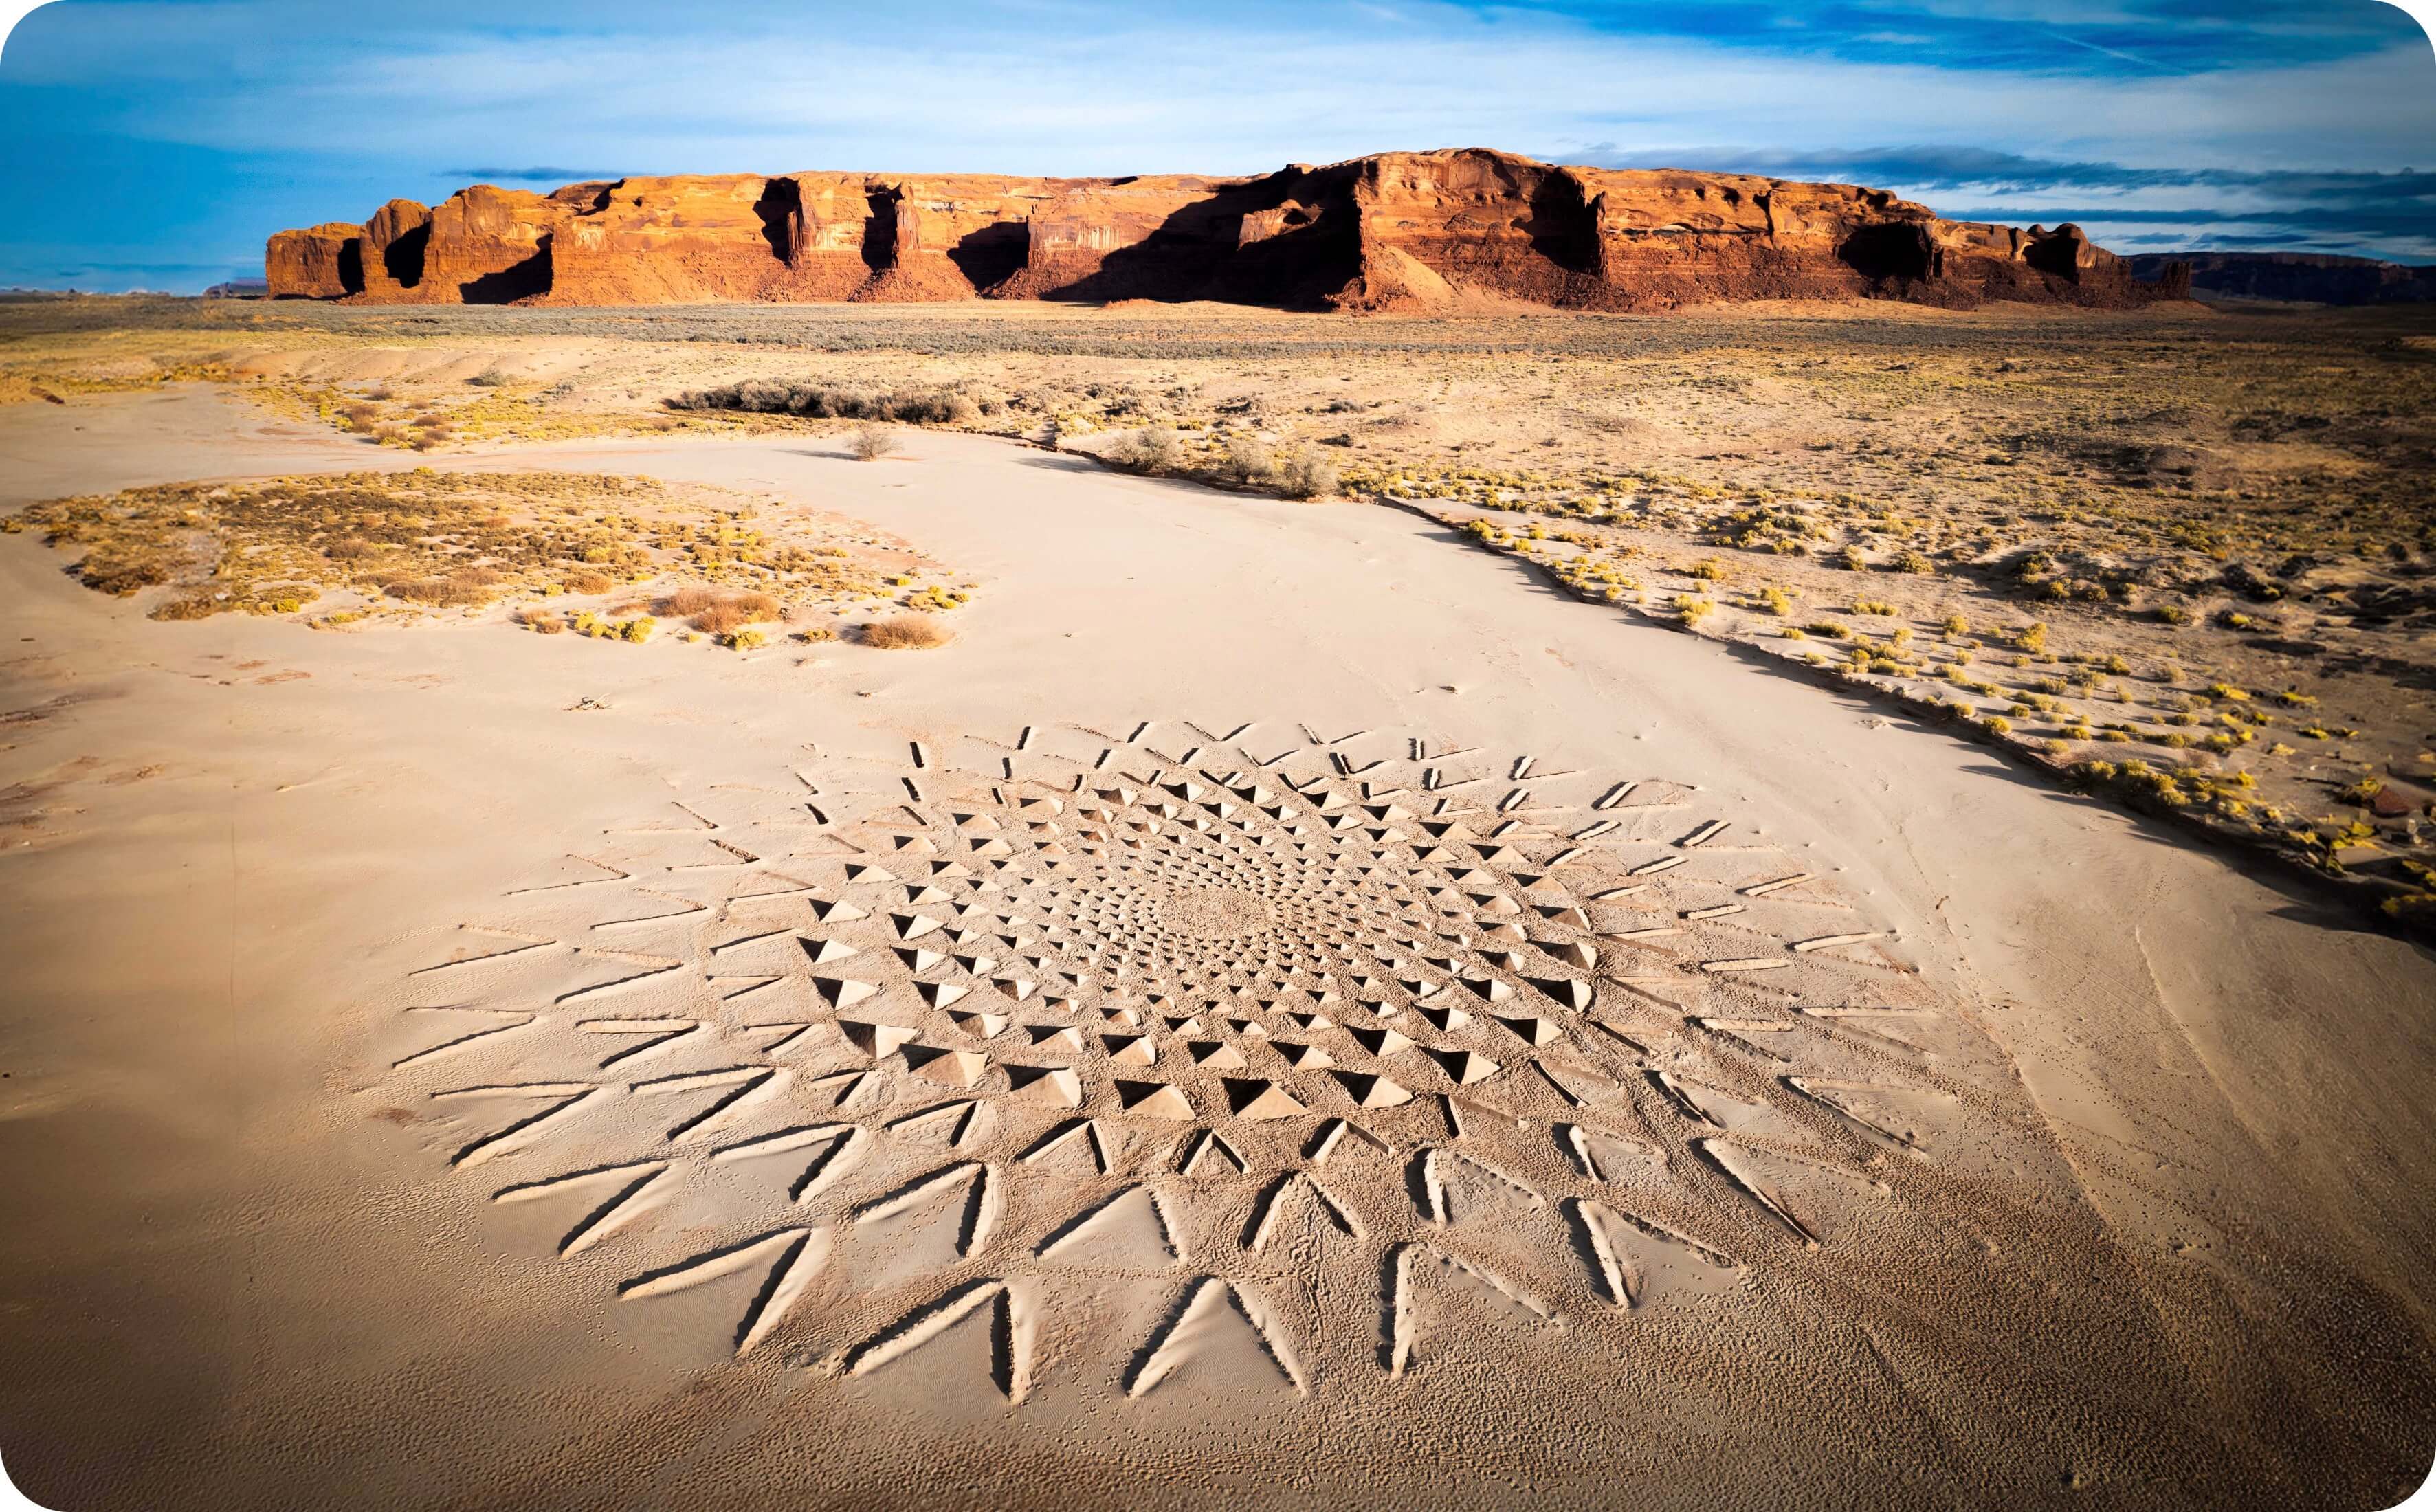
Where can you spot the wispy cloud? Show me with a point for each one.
(536, 175)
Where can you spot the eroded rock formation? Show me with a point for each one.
(2315, 278)
(1394, 232)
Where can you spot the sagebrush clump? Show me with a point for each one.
(825, 401)
(872, 442)
(1154, 453)
(1306, 474)
(904, 632)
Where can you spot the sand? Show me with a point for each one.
(2019, 1154)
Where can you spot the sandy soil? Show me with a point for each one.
(2018, 1156)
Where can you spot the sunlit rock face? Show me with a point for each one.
(1396, 231)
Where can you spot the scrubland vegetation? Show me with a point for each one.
(571, 550)
(2062, 534)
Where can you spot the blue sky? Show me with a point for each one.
(154, 142)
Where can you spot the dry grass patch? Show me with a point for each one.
(725, 614)
(904, 632)
(444, 541)
(458, 590)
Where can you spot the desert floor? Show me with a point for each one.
(1280, 1010)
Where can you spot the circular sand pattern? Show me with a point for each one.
(1215, 913)
(899, 1049)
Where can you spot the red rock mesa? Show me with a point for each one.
(1394, 232)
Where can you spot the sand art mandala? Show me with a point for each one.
(1193, 1033)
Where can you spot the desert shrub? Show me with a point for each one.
(744, 639)
(589, 582)
(928, 406)
(1245, 460)
(1956, 625)
(728, 612)
(872, 442)
(2031, 637)
(638, 631)
(831, 404)
(1706, 571)
(904, 632)
(1872, 606)
(1911, 562)
(187, 606)
(493, 376)
(1775, 600)
(821, 401)
(112, 573)
(459, 590)
(1150, 451)
(1690, 610)
(1306, 474)
(1828, 629)
(282, 599)
(542, 621)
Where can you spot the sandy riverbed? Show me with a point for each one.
(2125, 1201)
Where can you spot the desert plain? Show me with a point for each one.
(1153, 905)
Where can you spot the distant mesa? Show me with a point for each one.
(2313, 278)
(1444, 231)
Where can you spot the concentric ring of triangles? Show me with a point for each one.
(919, 1036)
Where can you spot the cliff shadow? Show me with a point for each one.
(1889, 251)
(879, 231)
(781, 212)
(524, 279)
(403, 258)
(993, 254)
(1563, 227)
(1200, 251)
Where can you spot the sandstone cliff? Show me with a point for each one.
(1394, 232)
